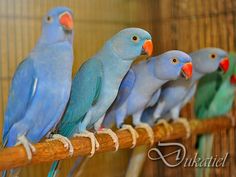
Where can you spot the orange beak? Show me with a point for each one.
(66, 20)
(147, 48)
(187, 70)
(224, 64)
(233, 79)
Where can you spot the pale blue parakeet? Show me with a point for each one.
(140, 87)
(41, 85)
(175, 94)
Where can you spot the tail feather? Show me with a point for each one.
(54, 169)
(205, 144)
(136, 161)
(4, 173)
(80, 161)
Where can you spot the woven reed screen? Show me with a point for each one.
(174, 24)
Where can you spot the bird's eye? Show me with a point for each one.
(213, 56)
(174, 60)
(49, 19)
(135, 38)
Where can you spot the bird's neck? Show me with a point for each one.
(44, 41)
(151, 66)
(112, 60)
(196, 75)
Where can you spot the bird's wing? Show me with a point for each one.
(222, 101)
(154, 98)
(23, 88)
(86, 88)
(189, 95)
(125, 88)
(206, 90)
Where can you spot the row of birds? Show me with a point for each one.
(44, 101)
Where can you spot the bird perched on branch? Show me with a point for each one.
(41, 85)
(175, 94)
(96, 85)
(140, 88)
(214, 97)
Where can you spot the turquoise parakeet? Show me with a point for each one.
(96, 85)
(214, 97)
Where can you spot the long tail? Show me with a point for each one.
(205, 143)
(54, 169)
(136, 161)
(79, 164)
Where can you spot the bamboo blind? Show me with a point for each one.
(174, 24)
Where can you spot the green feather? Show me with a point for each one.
(214, 97)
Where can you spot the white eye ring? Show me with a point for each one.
(135, 38)
(174, 60)
(49, 19)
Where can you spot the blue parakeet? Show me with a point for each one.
(178, 89)
(41, 85)
(96, 84)
(140, 87)
(214, 97)
(175, 94)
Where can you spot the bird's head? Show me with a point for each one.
(58, 25)
(208, 60)
(173, 64)
(131, 43)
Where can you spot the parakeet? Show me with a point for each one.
(214, 97)
(41, 85)
(178, 93)
(96, 84)
(140, 87)
(175, 94)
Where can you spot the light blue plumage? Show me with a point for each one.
(96, 84)
(175, 94)
(139, 89)
(41, 84)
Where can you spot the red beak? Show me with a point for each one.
(66, 20)
(187, 70)
(224, 64)
(233, 79)
(147, 47)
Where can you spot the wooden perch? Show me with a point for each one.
(49, 151)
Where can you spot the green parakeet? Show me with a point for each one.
(214, 97)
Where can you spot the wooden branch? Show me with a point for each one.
(49, 151)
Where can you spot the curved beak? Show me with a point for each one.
(66, 20)
(187, 70)
(147, 48)
(233, 79)
(224, 64)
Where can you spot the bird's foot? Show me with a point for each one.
(166, 125)
(186, 125)
(133, 133)
(111, 134)
(64, 140)
(91, 136)
(149, 131)
(27, 145)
